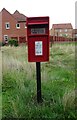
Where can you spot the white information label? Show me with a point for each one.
(38, 48)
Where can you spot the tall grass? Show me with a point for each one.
(0, 83)
(58, 84)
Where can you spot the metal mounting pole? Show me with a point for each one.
(38, 76)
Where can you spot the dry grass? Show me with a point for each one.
(57, 81)
(69, 99)
(0, 83)
(13, 60)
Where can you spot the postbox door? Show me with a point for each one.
(38, 49)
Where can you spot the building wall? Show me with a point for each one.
(74, 33)
(52, 32)
(13, 31)
(0, 26)
(62, 32)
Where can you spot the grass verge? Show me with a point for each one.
(58, 84)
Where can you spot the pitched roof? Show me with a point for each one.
(4, 10)
(62, 26)
(18, 16)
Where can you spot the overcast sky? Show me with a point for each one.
(59, 11)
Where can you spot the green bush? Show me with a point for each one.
(13, 42)
(2, 43)
(71, 39)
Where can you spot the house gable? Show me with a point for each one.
(8, 18)
(62, 26)
(19, 17)
(0, 26)
(9, 25)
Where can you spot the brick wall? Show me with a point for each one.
(13, 32)
(0, 26)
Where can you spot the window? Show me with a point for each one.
(56, 30)
(75, 35)
(25, 25)
(7, 25)
(55, 34)
(65, 30)
(60, 34)
(60, 30)
(18, 26)
(6, 38)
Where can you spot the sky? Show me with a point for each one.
(59, 11)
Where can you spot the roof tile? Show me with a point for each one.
(62, 26)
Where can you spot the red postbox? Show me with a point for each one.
(38, 39)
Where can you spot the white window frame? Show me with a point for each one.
(60, 30)
(65, 30)
(56, 30)
(61, 35)
(7, 25)
(17, 26)
(75, 35)
(5, 37)
(25, 25)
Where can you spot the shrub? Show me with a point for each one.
(71, 39)
(13, 42)
(2, 43)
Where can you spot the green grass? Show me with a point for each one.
(0, 85)
(19, 99)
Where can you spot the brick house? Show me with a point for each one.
(75, 33)
(62, 30)
(12, 26)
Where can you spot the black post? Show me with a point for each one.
(38, 76)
